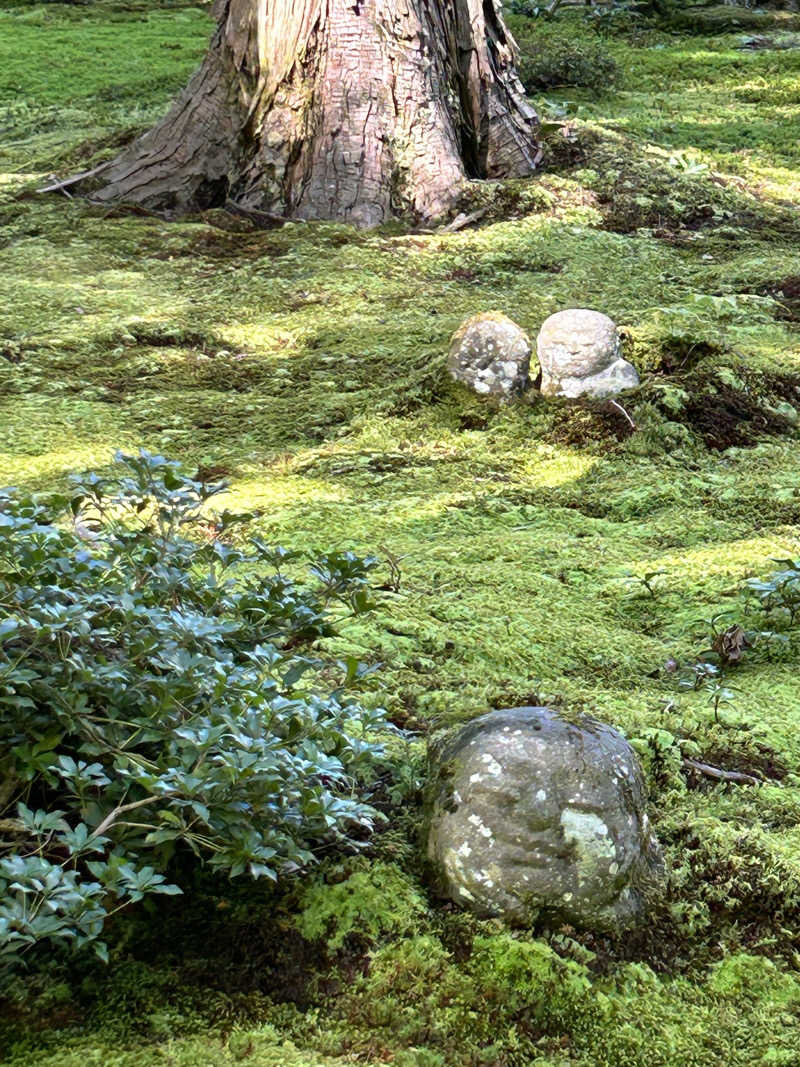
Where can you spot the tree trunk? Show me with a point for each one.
(337, 109)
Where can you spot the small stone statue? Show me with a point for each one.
(580, 355)
(491, 354)
(534, 814)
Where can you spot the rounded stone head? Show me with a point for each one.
(533, 814)
(490, 354)
(580, 354)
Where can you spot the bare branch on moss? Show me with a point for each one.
(719, 774)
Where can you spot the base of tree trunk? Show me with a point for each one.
(356, 110)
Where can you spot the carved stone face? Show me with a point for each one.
(580, 354)
(538, 814)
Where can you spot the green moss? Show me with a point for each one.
(104, 74)
(306, 365)
(518, 1002)
(257, 1046)
(729, 18)
(370, 904)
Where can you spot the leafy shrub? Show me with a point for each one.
(556, 58)
(155, 704)
(778, 595)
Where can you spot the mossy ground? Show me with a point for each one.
(306, 364)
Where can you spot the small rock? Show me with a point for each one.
(533, 814)
(490, 354)
(788, 412)
(580, 355)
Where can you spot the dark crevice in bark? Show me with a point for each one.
(212, 193)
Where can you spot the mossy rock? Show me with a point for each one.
(532, 814)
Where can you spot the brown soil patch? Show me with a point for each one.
(727, 418)
(579, 426)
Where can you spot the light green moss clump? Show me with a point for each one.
(370, 904)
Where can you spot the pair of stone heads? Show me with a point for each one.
(579, 352)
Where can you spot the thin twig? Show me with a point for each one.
(59, 187)
(460, 222)
(264, 218)
(622, 411)
(719, 774)
(120, 210)
(114, 815)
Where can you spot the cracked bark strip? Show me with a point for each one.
(354, 110)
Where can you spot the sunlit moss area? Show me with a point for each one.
(536, 553)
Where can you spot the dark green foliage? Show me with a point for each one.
(559, 58)
(154, 702)
(778, 595)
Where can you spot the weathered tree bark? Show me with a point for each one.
(337, 109)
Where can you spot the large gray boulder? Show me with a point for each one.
(490, 354)
(532, 814)
(580, 353)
